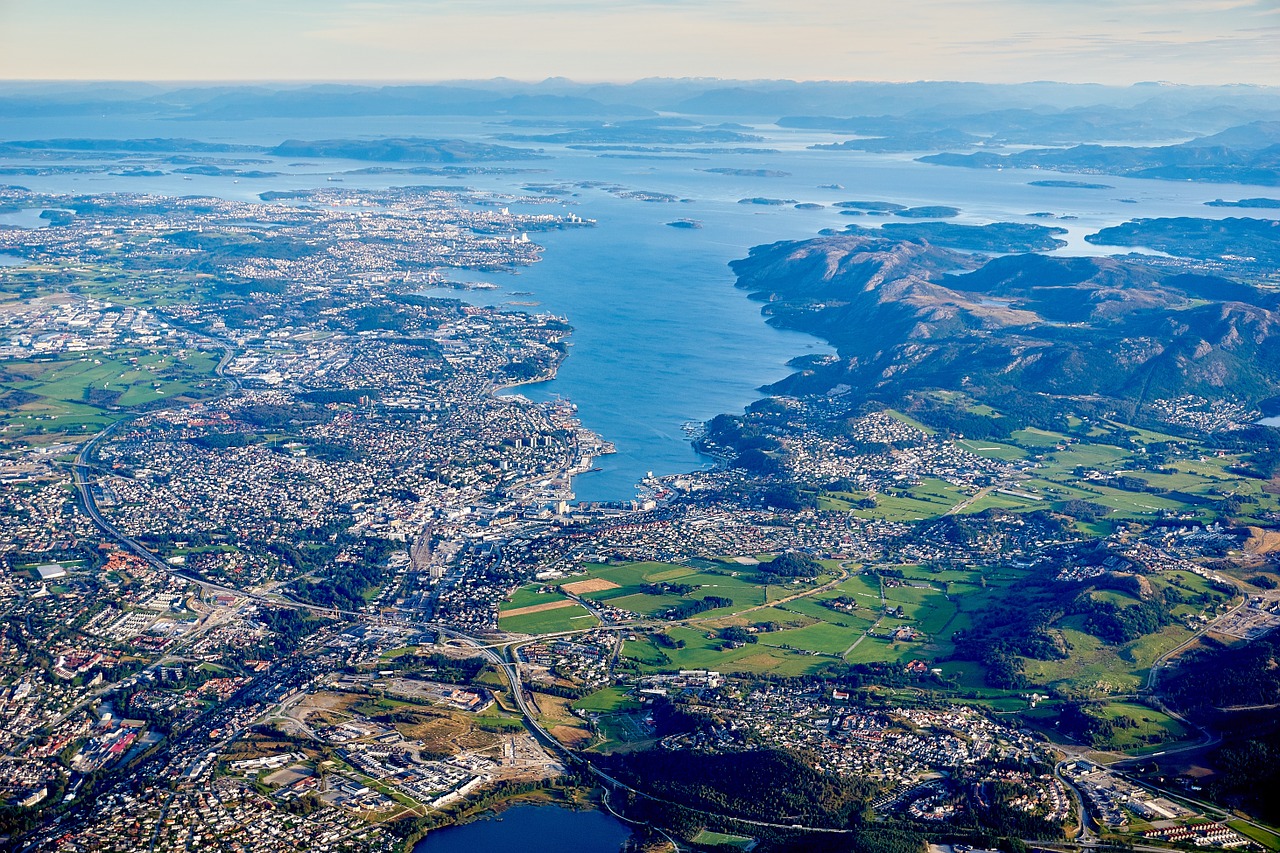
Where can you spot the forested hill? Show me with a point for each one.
(768, 785)
(906, 314)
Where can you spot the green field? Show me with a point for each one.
(528, 596)
(608, 700)
(573, 618)
(1095, 668)
(820, 637)
(741, 584)
(78, 392)
(710, 839)
(1150, 728)
(702, 651)
(992, 449)
(1266, 838)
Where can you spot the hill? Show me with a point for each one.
(905, 314)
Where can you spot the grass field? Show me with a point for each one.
(608, 700)
(549, 621)
(624, 730)
(929, 498)
(738, 583)
(820, 637)
(1145, 723)
(529, 596)
(1094, 668)
(992, 449)
(1269, 840)
(704, 652)
(78, 392)
(709, 838)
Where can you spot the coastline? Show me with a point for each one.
(572, 798)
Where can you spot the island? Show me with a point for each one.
(1249, 241)
(993, 237)
(933, 211)
(1072, 185)
(748, 173)
(1269, 203)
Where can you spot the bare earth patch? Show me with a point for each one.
(571, 737)
(592, 585)
(538, 608)
(1262, 541)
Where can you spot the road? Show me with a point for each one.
(845, 654)
(508, 664)
(1153, 675)
(1083, 833)
(972, 499)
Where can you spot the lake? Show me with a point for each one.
(531, 829)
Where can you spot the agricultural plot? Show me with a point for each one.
(860, 618)
(1033, 437)
(530, 596)
(122, 380)
(571, 618)
(702, 651)
(992, 449)
(927, 499)
(608, 700)
(879, 650)
(646, 605)
(821, 637)
(623, 586)
(635, 574)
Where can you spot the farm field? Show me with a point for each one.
(920, 616)
(571, 618)
(82, 392)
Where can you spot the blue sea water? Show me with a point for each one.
(531, 829)
(661, 335)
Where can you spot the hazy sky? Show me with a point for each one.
(1105, 41)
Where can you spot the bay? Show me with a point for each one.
(531, 829)
(661, 336)
(25, 218)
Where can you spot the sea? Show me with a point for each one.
(531, 829)
(662, 340)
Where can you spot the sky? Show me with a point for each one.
(1101, 41)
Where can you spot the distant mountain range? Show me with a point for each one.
(1246, 154)
(922, 116)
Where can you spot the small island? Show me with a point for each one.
(810, 205)
(1071, 185)
(933, 211)
(885, 206)
(1246, 202)
(748, 173)
(685, 223)
(766, 201)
